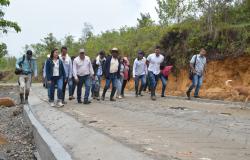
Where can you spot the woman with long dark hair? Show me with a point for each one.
(55, 75)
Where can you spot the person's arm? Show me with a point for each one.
(35, 68)
(134, 67)
(17, 63)
(91, 70)
(192, 64)
(48, 74)
(75, 69)
(146, 68)
(70, 69)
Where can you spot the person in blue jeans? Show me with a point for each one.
(83, 72)
(98, 66)
(55, 75)
(139, 73)
(197, 65)
(112, 72)
(154, 60)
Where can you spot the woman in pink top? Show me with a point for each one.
(126, 74)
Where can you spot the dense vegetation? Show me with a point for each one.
(222, 27)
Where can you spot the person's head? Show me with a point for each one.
(102, 54)
(29, 54)
(64, 50)
(203, 52)
(82, 53)
(54, 54)
(121, 59)
(157, 50)
(140, 54)
(125, 60)
(115, 52)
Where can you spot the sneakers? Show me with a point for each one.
(52, 104)
(197, 97)
(71, 98)
(60, 104)
(86, 102)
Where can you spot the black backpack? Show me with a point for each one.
(18, 71)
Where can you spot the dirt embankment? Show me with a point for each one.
(236, 69)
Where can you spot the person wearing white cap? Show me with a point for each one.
(112, 72)
(82, 72)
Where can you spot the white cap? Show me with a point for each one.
(114, 49)
(82, 51)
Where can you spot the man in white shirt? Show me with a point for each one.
(82, 72)
(139, 73)
(112, 72)
(154, 60)
(67, 64)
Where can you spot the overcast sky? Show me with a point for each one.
(37, 18)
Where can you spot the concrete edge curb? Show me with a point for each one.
(48, 147)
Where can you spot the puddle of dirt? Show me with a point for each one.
(3, 140)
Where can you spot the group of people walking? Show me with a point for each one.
(61, 70)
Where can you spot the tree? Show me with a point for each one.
(87, 32)
(174, 11)
(5, 26)
(51, 42)
(145, 20)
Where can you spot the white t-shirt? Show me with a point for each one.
(56, 68)
(154, 63)
(114, 64)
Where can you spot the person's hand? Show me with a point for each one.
(92, 77)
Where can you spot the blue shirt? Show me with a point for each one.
(28, 66)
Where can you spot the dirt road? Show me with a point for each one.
(169, 128)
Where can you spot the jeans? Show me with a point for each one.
(113, 80)
(119, 83)
(64, 87)
(72, 86)
(196, 83)
(143, 83)
(124, 83)
(93, 84)
(59, 82)
(87, 82)
(153, 79)
(164, 81)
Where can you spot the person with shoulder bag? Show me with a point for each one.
(197, 67)
(25, 67)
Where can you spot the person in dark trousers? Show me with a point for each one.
(65, 58)
(72, 83)
(163, 77)
(98, 66)
(139, 73)
(83, 73)
(126, 75)
(112, 72)
(154, 60)
(197, 65)
(55, 75)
